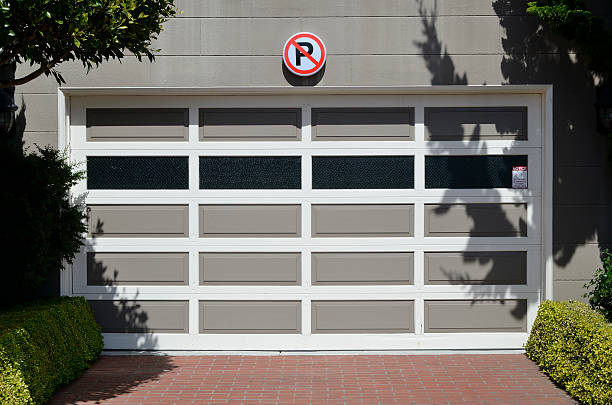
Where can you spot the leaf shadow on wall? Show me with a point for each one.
(582, 188)
(443, 72)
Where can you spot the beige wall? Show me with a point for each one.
(385, 42)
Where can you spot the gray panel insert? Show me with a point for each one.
(142, 316)
(474, 123)
(250, 124)
(351, 268)
(127, 268)
(234, 221)
(362, 316)
(499, 220)
(141, 221)
(250, 316)
(240, 268)
(475, 268)
(457, 316)
(137, 124)
(362, 220)
(363, 124)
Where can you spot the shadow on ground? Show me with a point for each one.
(113, 376)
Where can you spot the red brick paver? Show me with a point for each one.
(336, 379)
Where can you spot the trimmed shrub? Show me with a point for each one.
(573, 345)
(600, 297)
(44, 345)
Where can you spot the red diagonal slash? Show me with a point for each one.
(303, 51)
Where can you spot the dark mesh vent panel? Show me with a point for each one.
(250, 173)
(362, 172)
(490, 171)
(137, 173)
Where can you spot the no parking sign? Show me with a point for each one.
(304, 54)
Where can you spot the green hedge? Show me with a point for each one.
(44, 345)
(573, 345)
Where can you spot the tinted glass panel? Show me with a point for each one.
(471, 171)
(250, 173)
(362, 172)
(137, 173)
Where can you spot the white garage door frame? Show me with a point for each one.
(71, 107)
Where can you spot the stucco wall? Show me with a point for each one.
(384, 42)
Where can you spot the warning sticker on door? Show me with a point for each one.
(519, 176)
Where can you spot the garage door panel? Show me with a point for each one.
(128, 268)
(354, 268)
(232, 221)
(250, 124)
(141, 316)
(362, 317)
(137, 124)
(286, 227)
(475, 220)
(362, 220)
(250, 316)
(475, 123)
(142, 221)
(238, 268)
(490, 268)
(362, 124)
(456, 316)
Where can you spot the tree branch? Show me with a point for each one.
(16, 82)
(45, 68)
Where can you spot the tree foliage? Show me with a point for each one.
(586, 31)
(45, 33)
(41, 226)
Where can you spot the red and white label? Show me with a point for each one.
(304, 54)
(519, 176)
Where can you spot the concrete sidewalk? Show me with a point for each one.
(306, 379)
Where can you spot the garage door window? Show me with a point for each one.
(250, 172)
(489, 171)
(362, 172)
(137, 173)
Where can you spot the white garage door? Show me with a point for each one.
(310, 221)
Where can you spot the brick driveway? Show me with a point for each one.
(338, 379)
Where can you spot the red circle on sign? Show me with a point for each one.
(317, 64)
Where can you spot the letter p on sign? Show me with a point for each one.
(304, 54)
